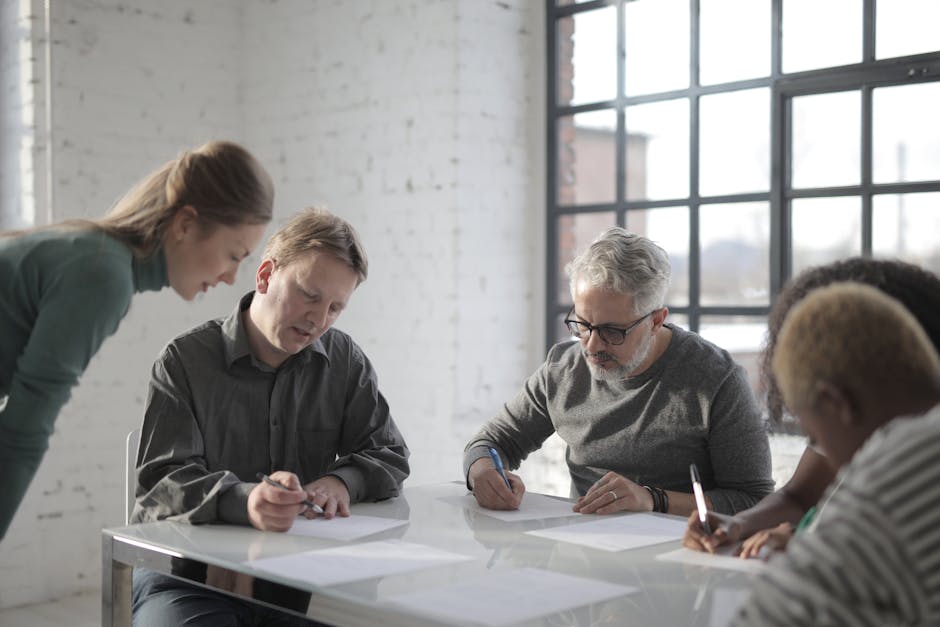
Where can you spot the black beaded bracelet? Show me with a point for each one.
(660, 499)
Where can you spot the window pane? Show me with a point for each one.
(680, 320)
(747, 24)
(658, 150)
(587, 57)
(657, 46)
(575, 234)
(824, 230)
(586, 163)
(559, 330)
(905, 133)
(821, 34)
(907, 226)
(668, 227)
(735, 142)
(742, 336)
(905, 27)
(826, 140)
(735, 245)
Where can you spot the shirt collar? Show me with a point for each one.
(150, 273)
(235, 338)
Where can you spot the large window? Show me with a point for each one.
(20, 98)
(750, 138)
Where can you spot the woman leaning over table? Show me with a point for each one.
(64, 288)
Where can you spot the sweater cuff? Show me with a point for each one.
(233, 504)
(470, 456)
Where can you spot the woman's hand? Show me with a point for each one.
(726, 530)
(766, 542)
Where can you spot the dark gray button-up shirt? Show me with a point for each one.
(216, 416)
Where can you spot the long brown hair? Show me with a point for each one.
(221, 180)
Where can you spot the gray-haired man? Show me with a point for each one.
(637, 401)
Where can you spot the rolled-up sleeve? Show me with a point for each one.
(372, 459)
(173, 480)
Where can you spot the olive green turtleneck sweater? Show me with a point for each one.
(62, 292)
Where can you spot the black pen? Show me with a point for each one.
(307, 502)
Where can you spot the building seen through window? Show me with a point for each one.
(750, 138)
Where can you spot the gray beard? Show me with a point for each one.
(622, 371)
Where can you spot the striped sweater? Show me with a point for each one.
(873, 555)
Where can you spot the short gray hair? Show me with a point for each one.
(626, 263)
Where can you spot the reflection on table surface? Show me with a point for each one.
(219, 556)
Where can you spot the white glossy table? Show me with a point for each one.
(214, 555)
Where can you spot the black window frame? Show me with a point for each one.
(865, 76)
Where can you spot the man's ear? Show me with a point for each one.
(659, 318)
(263, 275)
(834, 404)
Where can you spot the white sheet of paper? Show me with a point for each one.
(534, 507)
(354, 562)
(504, 598)
(616, 533)
(340, 528)
(698, 558)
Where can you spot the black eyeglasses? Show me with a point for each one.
(608, 334)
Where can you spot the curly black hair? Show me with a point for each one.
(916, 288)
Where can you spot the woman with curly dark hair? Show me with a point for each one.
(768, 525)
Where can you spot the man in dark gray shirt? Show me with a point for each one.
(637, 401)
(273, 389)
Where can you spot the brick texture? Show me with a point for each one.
(420, 122)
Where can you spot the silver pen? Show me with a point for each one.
(307, 502)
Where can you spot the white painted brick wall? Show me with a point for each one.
(416, 122)
(131, 87)
(420, 122)
(16, 123)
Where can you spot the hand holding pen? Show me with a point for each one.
(492, 486)
(263, 477)
(273, 504)
(702, 533)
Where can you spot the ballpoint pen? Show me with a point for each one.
(307, 502)
(700, 499)
(499, 466)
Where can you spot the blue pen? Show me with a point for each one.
(499, 466)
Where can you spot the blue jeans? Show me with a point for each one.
(161, 601)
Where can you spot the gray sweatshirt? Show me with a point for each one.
(693, 404)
